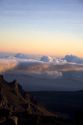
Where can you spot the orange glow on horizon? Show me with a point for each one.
(41, 43)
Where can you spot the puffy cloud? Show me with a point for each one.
(7, 64)
(36, 67)
(46, 59)
(22, 56)
(49, 74)
(28, 67)
(73, 59)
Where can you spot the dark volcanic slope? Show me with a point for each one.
(15, 100)
(12, 94)
(18, 107)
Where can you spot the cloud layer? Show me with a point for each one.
(42, 67)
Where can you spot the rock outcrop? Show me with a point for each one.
(14, 101)
(18, 107)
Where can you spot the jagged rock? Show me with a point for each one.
(17, 88)
(15, 104)
(13, 120)
(3, 99)
(4, 112)
(1, 78)
(13, 97)
(18, 107)
(2, 120)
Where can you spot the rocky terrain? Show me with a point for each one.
(18, 107)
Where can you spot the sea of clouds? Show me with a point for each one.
(42, 67)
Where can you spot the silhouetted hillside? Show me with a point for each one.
(18, 107)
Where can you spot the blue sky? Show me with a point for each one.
(39, 14)
(27, 16)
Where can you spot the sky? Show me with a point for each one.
(45, 27)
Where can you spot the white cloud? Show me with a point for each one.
(73, 59)
(46, 59)
(7, 64)
(49, 68)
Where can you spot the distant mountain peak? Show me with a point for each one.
(1, 78)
